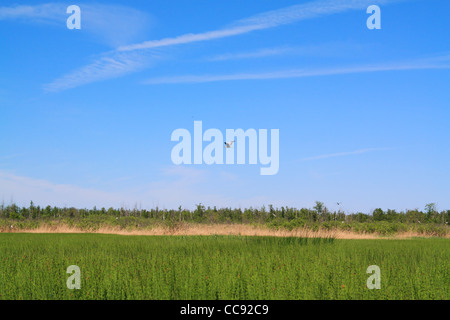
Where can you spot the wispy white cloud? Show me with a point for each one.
(42, 13)
(176, 186)
(254, 54)
(188, 38)
(262, 21)
(326, 49)
(108, 69)
(113, 25)
(342, 154)
(439, 63)
(24, 189)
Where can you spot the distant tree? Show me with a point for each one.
(430, 209)
(272, 211)
(319, 207)
(318, 211)
(32, 210)
(414, 216)
(391, 215)
(200, 211)
(361, 217)
(47, 211)
(180, 210)
(325, 214)
(378, 214)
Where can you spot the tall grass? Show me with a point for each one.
(33, 266)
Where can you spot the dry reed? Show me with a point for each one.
(218, 229)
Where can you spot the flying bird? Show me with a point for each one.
(228, 144)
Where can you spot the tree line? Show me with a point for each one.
(318, 214)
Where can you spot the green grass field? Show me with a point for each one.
(33, 266)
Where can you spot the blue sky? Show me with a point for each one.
(87, 115)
